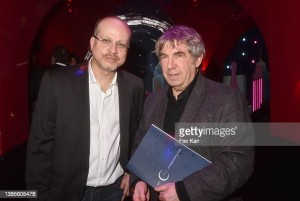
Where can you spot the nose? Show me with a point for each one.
(113, 48)
(170, 64)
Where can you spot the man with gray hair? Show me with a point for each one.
(192, 98)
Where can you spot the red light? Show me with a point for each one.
(204, 65)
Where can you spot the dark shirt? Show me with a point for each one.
(175, 107)
(174, 111)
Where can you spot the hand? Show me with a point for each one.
(141, 192)
(167, 192)
(125, 185)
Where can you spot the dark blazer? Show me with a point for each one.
(35, 77)
(209, 102)
(59, 142)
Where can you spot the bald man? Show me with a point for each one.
(85, 117)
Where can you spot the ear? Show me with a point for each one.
(198, 61)
(92, 41)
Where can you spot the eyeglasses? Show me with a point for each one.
(107, 43)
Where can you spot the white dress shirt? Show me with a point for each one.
(104, 165)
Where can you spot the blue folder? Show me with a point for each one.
(161, 159)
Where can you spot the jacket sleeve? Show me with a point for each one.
(231, 165)
(40, 142)
(140, 133)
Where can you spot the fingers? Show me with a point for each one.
(125, 190)
(167, 192)
(125, 185)
(161, 197)
(125, 193)
(139, 195)
(161, 188)
(141, 192)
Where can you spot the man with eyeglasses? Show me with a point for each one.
(84, 123)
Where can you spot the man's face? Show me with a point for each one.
(107, 55)
(178, 66)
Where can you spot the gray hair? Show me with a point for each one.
(185, 35)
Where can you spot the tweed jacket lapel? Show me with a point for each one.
(160, 108)
(195, 100)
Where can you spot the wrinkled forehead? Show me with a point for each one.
(175, 45)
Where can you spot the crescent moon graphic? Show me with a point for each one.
(163, 175)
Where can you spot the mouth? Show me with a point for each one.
(111, 58)
(172, 75)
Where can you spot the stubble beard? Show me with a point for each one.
(109, 68)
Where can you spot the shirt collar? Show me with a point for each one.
(61, 64)
(92, 79)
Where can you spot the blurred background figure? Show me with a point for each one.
(60, 57)
(75, 59)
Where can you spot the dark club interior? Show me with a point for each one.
(246, 41)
